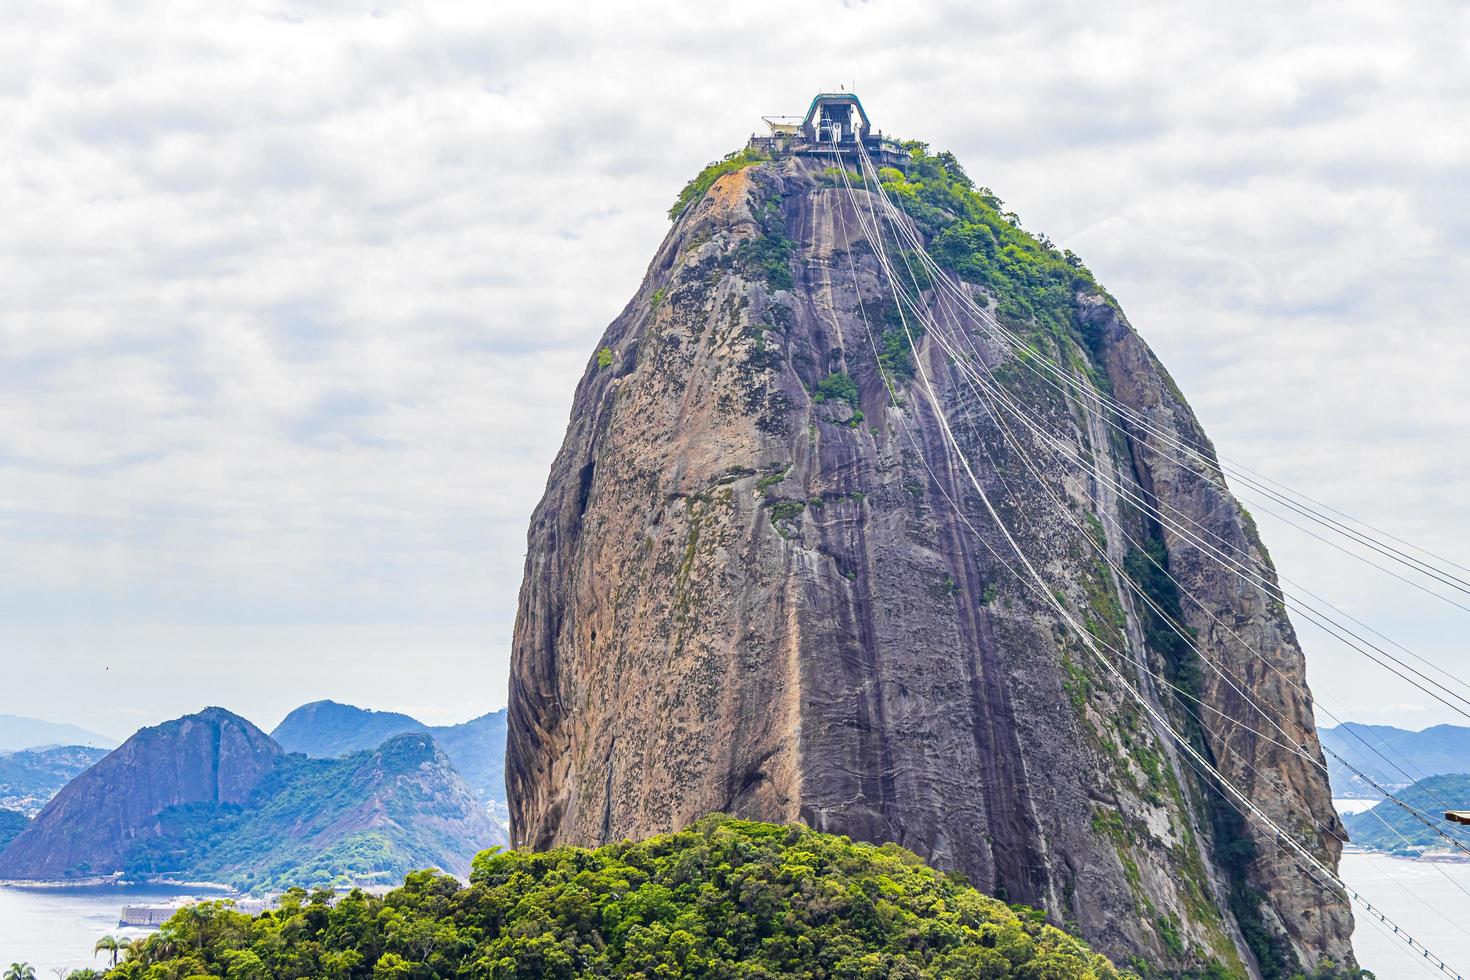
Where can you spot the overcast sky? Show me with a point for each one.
(293, 295)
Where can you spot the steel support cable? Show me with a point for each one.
(1014, 444)
(1087, 640)
(1178, 690)
(1187, 593)
(941, 278)
(1225, 560)
(1013, 340)
(1434, 864)
(1143, 667)
(935, 330)
(1380, 921)
(1104, 401)
(1250, 476)
(1318, 618)
(1047, 439)
(1322, 620)
(1178, 630)
(1348, 517)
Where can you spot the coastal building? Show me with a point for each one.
(153, 915)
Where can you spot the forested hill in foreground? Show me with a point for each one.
(725, 899)
(211, 797)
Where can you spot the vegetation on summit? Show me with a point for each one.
(725, 899)
(705, 179)
(1034, 282)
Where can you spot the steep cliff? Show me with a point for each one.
(760, 583)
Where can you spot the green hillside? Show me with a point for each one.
(1389, 827)
(724, 899)
(476, 748)
(367, 818)
(31, 777)
(12, 822)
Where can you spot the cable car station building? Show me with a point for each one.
(836, 121)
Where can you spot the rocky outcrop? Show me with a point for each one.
(211, 757)
(759, 582)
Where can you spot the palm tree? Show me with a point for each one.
(113, 945)
(20, 971)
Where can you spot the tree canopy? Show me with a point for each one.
(724, 899)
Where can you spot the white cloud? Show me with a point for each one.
(293, 296)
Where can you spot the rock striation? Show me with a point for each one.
(759, 583)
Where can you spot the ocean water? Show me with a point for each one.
(55, 928)
(1428, 900)
(52, 928)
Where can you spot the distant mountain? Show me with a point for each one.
(12, 822)
(1389, 827)
(476, 748)
(1392, 757)
(18, 732)
(212, 797)
(326, 729)
(30, 778)
(213, 757)
(366, 818)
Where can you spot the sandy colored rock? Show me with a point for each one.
(739, 597)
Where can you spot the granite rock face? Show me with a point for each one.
(87, 829)
(749, 590)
